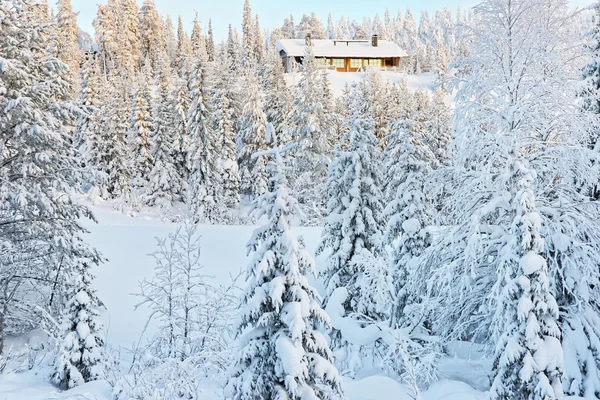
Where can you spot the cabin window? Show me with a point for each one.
(339, 62)
(355, 63)
(322, 62)
(375, 63)
(389, 62)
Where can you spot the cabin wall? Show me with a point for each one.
(347, 64)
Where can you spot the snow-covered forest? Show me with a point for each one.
(180, 219)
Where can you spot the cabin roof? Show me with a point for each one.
(341, 48)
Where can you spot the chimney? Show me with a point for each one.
(308, 40)
(375, 40)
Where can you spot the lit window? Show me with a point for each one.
(339, 62)
(375, 63)
(355, 63)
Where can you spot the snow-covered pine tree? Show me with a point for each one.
(309, 127)
(408, 215)
(166, 186)
(38, 172)
(210, 43)
(170, 40)
(87, 135)
(277, 96)
(141, 130)
(259, 42)
(152, 32)
(249, 38)
(283, 353)
(66, 40)
(404, 108)
(223, 121)
(203, 151)
(184, 49)
(116, 112)
(197, 39)
(353, 228)
(234, 48)
(438, 127)
(129, 37)
(181, 133)
(251, 139)
(80, 357)
(105, 27)
(529, 357)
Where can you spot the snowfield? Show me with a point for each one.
(126, 242)
(338, 80)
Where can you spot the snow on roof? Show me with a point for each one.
(341, 48)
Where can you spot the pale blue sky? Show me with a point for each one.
(272, 12)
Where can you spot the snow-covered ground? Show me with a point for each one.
(126, 243)
(338, 80)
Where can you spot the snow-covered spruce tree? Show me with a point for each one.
(277, 96)
(308, 126)
(223, 120)
(409, 217)
(80, 356)
(438, 127)
(66, 38)
(203, 150)
(41, 235)
(531, 118)
(129, 38)
(249, 36)
(283, 353)
(152, 33)
(141, 130)
(529, 356)
(352, 232)
(166, 186)
(251, 139)
(87, 135)
(116, 112)
(408, 118)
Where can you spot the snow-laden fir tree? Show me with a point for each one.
(277, 96)
(308, 126)
(152, 33)
(210, 43)
(41, 239)
(166, 186)
(87, 135)
(251, 139)
(116, 112)
(409, 216)
(438, 127)
(283, 353)
(80, 357)
(408, 118)
(181, 134)
(223, 122)
(129, 37)
(353, 228)
(203, 150)
(66, 47)
(249, 35)
(141, 130)
(529, 357)
(259, 44)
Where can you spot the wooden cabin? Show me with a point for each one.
(341, 55)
